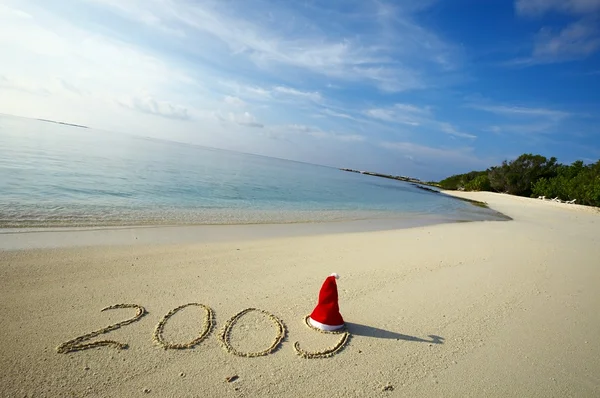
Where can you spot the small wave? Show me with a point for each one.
(95, 192)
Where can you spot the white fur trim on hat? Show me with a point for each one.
(336, 275)
(322, 326)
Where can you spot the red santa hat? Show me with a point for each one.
(326, 315)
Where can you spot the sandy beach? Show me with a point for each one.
(480, 309)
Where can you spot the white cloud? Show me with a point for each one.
(69, 86)
(415, 110)
(23, 84)
(523, 120)
(415, 116)
(300, 128)
(47, 47)
(451, 130)
(425, 153)
(540, 7)
(349, 137)
(528, 128)
(247, 92)
(146, 104)
(265, 94)
(257, 93)
(341, 115)
(400, 113)
(493, 129)
(282, 38)
(339, 137)
(68, 72)
(316, 133)
(445, 160)
(576, 40)
(312, 96)
(7, 12)
(392, 79)
(389, 115)
(235, 101)
(520, 111)
(245, 119)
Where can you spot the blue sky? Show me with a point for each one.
(423, 88)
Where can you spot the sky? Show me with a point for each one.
(422, 88)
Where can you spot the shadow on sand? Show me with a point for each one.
(368, 331)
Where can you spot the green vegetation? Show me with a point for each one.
(577, 181)
(534, 175)
(516, 177)
(461, 181)
(479, 183)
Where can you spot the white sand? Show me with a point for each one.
(516, 305)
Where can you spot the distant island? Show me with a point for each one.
(418, 184)
(63, 123)
(391, 177)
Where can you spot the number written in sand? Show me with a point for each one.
(279, 336)
(208, 324)
(77, 344)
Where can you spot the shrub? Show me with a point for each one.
(518, 176)
(461, 180)
(479, 183)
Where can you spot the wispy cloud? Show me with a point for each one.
(505, 110)
(428, 154)
(265, 93)
(246, 92)
(340, 137)
(331, 112)
(279, 39)
(146, 104)
(400, 113)
(576, 40)
(392, 79)
(69, 86)
(528, 128)
(245, 119)
(537, 8)
(312, 96)
(415, 116)
(453, 131)
(523, 120)
(12, 83)
(315, 132)
(235, 101)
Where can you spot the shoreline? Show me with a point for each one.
(24, 239)
(235, 216)
(59, 226)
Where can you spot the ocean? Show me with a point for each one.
(53, 175)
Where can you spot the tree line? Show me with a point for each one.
(534, 175)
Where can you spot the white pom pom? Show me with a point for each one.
(335, 275)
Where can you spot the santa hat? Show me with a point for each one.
(326, 315)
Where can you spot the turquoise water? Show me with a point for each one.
(56, 175)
